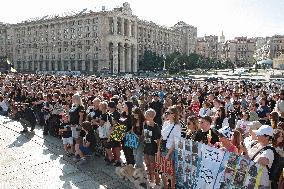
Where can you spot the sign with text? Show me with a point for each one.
(201, 166)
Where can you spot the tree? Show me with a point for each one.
(150, 61)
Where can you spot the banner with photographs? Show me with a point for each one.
(201, 166)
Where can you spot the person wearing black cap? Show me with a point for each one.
(157, 105)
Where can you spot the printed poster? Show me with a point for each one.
(199, 166)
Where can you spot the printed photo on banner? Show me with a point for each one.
(201, 166)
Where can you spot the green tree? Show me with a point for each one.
(150, 61)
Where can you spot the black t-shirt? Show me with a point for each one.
(150, 135)
(104, 117)
(74, 114)
(114, 115)
(202, 137)
(157, 106)
(97, 114)
(68, 133)
(126, 120)
(29, 115)
(90, 137)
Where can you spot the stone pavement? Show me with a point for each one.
(36, 161)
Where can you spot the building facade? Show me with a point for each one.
(278, 63)
(208, 47)
(91, 41)
(276, 44)
(239, 51)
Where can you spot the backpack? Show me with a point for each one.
(277, 165)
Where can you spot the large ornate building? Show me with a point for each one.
(208, 46)
(91, 41)
(239, 51)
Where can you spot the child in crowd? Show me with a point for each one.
(66, 133)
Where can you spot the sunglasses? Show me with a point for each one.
(167, 113)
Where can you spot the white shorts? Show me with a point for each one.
(67, 140)
(75, 133)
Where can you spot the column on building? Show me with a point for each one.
(114, 25)
(122, 58)
(115, 57)
(135, 30)
(43, 65)
(22, 66)
(122, 26)
(39, 67)
(69, 65)
(56, 66)
(91, 65)
(129, 28)
(76, 65)
(83, 65)
(134, 58)
(128, 58)
(49, 66)
(32, 66)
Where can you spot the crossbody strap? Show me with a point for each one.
(171, 131)
(261, 150)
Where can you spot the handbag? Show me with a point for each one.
(163, 143)
(131, 140)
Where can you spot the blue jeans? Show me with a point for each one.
(85, 151)
(4, 113)
(139, 155)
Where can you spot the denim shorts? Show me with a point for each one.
(85, 151)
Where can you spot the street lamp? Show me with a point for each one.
(184, 64)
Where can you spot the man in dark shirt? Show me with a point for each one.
(28, 118)
(202, 135)
(157, 105)
(263, 111)
(114, 114)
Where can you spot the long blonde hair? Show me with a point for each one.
(78, 99)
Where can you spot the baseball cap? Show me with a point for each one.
(226, 132)
(264, 130)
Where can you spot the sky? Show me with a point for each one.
(252, 18)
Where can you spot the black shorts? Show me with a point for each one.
(111, 144)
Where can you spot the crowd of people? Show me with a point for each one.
(94, 114)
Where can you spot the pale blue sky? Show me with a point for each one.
(234, 17)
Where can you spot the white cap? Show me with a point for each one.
(226, 131)
(264, 130)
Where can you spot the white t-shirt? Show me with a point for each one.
(176, 133)
(264, 181)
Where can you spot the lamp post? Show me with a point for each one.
(184, 64)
